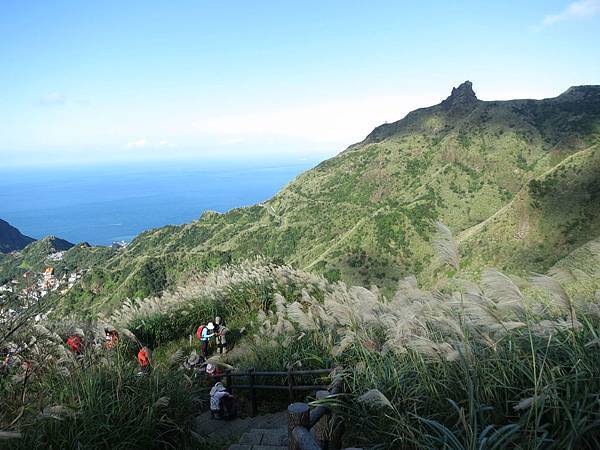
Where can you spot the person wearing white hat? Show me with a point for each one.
(217, 393)
(207, 333)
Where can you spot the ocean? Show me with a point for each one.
(105, 204)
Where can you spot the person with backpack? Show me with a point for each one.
(75, 341)
(204, 333)
(220, 331)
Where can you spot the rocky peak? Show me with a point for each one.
(461, 96)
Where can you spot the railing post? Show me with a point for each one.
(336, 423)
(291, 383)
(322, 427)
(253, 407)
(298, 416)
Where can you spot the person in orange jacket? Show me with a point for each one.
(143, 357)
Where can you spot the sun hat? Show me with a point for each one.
(210, 326)
(193, 359)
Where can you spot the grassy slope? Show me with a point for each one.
(554, 214)
(365, 215)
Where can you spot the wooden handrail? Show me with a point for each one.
(290, 386)
(276, 374)
(276, 387)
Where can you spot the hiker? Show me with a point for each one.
(143, 357)
(10, 359)
(214, 371)
(220, 331)
(111, 336)
(194, 361)
(222, 404)
(204, 333)
(75, 341)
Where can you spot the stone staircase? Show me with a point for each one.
(263, 439)
(265, 432)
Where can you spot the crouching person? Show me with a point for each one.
(144, 361)
(223, 405)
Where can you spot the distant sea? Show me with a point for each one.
(105, 204)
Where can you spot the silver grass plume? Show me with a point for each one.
(6, 435)
(556, 292)
(446, 247)
(500, 288)
(374, 398)
(162, 402)
(177, 358)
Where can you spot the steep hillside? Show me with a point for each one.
(553, 214)
(33, 257)
(366, 215)
(11, 239)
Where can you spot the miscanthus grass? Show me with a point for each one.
(498, 362)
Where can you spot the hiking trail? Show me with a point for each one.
(264, 432)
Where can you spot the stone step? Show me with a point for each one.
(265, 437)
(257, 447)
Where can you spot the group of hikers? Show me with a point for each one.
(223, 405)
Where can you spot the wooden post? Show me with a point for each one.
(298, 416)
(322, 427)
(229, 381)
(253, 407)
(290, 376)
(303, 440)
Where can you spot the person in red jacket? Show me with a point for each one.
(75, 341)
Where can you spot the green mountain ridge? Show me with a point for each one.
(11, 239)
(516, 181)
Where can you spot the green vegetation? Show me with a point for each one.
(495, 363)
(457, 356)
(465, 162)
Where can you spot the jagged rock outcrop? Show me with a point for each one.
(462, 98)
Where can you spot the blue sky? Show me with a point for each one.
(88, 82)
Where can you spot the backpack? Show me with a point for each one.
(199, 332)
(74, 342)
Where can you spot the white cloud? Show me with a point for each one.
(577, 10)
(53, 98)
(140, 143)
(338, 121)
(147, 143)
